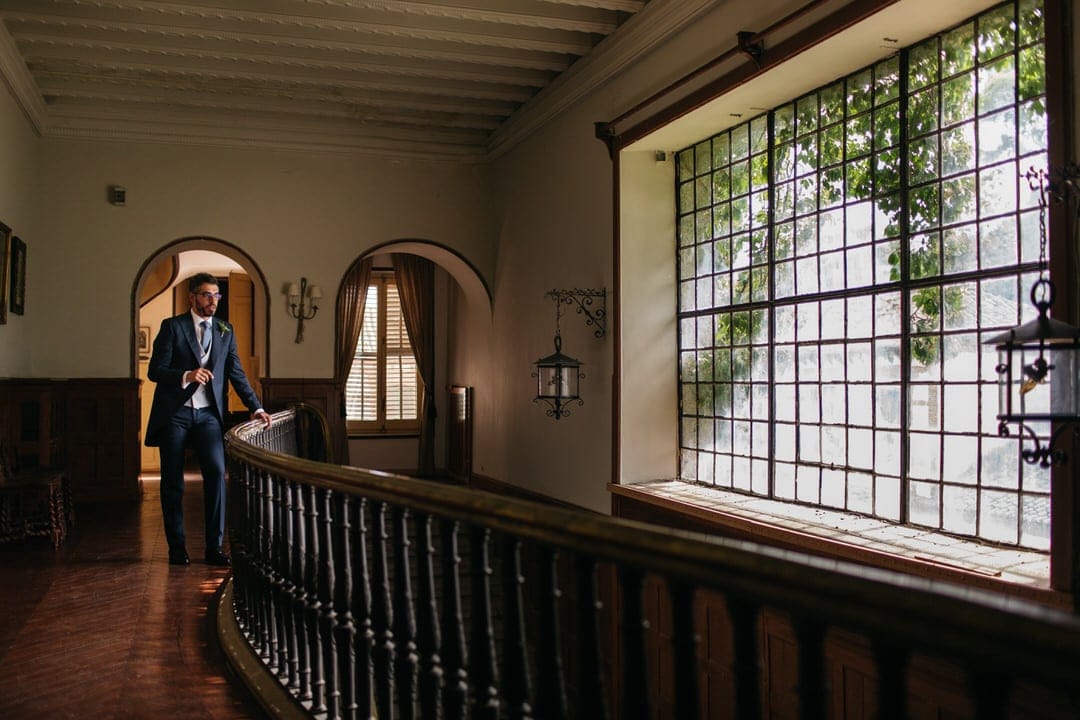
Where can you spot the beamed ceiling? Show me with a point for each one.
(434, 78)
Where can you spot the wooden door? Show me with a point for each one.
(242, 315)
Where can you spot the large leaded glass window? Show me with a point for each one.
(841, 260)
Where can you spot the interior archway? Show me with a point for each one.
(232, 253)
(473, 308)
(473, 285)
(153, 300)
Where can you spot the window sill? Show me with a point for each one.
(845, 536)
(378, 435)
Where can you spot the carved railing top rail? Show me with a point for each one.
(987, 634)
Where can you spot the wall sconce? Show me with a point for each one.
(1038, 361)
(303, 304)
(557, 375)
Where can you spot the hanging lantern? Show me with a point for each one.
(558, 381)
(558, 376)
(1038, 364)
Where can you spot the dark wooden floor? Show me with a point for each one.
(104, 627)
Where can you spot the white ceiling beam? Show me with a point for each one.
(200, 19)
(43, 48)
(274, 82)
(186, 38)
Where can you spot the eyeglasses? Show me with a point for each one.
(208, 295)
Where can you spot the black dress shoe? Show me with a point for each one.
(216, 557)
(179, 557)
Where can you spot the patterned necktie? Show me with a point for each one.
(205, 324)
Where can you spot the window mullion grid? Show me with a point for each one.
(771, 297)
(1019, 257)
(906, 370)
(905, 294)
(679, 315)
(683, 442)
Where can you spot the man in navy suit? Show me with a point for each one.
(193, 355)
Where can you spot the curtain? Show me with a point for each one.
(415, 277)
(350, 318)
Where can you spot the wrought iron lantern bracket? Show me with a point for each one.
(558, 375)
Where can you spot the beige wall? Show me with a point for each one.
(293, 214)
(18, 190)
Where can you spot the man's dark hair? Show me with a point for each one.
(200, 279)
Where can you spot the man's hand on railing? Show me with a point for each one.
(261, 414)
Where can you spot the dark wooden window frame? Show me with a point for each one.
(674, 101)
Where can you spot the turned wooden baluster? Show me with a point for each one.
(361, 610)
(344, 630)
(745, 666)
(327, 614)
(256, 630)
(591, 693)
(455, 655)
(405, 668)
(482, 637)
(811, 690)
(551, 688)
(427, 629)
(517, 690)
(382, 619)
(635, 691)
(892, 681)
(287, 529)
(685, 640)
(268, 644)
(279, 597)
(312, 606)
(299, 568)
(241, 531)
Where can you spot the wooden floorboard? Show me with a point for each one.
(104, 627)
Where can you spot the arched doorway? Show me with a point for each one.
(463, 312)
(160, 291)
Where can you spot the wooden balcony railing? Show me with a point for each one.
(371, 595)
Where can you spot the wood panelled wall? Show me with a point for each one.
(936, 688)
(88, 426)
(319, 392)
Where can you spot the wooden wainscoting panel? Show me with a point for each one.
(88, 426)
(321, 393)
(103, 438)
(32, 422)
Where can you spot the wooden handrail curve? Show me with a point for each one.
(317, 538)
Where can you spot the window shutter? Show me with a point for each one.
(399, 382)
(361, 389)
(401, 379)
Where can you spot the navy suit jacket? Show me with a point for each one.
(177, 350)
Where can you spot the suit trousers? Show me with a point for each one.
(202, 429)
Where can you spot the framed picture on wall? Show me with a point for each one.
(5, 274)
(18, 276)
(144, 341)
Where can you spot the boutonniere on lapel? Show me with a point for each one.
(222, 328)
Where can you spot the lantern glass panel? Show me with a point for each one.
(1055, 397)
(557, 381)
(1064, 388)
